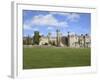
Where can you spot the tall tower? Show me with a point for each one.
(68, 39)
(58, 37)
(84, 41)
(49, 34)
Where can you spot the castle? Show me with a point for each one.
(70, 40)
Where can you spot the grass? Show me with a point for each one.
(55, 57)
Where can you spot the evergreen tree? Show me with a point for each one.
(36, 37)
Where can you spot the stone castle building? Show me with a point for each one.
(79, 40)
(70, 40)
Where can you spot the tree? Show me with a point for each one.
(36, 37)
(28, 40)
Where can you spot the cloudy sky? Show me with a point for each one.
(48, 21)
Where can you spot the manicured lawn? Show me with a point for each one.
(55, 57)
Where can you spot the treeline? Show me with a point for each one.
(32, 40)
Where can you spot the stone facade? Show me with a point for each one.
(79, 41)
(71, 40)
(44, 41)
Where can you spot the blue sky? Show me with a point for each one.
(48, 21)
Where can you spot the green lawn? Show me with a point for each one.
(55, 57)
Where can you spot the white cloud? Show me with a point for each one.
(49, 28)
(60, 13)
(65, 24)
(35, 29)
(51, 21)
(44, 20)
(73, 17)
(48, 20)
(27, 27)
